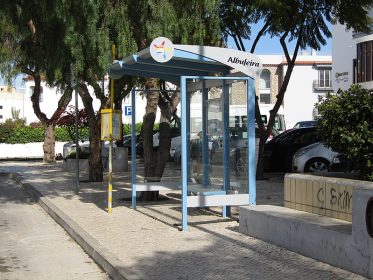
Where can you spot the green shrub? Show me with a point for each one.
(127, 128)
(63, 135)
(15, 131)
(346, 126)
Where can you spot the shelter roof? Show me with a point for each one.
(169, 62)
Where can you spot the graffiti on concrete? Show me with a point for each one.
(341, 199)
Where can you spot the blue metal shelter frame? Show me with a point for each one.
(190, 63)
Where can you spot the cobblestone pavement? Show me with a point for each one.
(148, 240)
(33, 246)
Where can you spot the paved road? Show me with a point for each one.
(33, 246)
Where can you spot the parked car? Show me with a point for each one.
(305, 124)
(70, 147)
(313, 158)
(237, 151)
(278, 153)
(127, 142)
(340, 163)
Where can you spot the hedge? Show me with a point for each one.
(12, 133)
(28, 134)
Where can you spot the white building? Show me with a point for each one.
(309, 82)
(352, 57)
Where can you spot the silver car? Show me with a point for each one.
(313, 158)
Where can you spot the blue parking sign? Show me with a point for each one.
(127, 110)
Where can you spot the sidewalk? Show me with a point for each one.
(146, 243)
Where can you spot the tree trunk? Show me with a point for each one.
(260, 163)
(147, 135)
(49, 143)
(49, 124)
(95, 144)
(163, 152)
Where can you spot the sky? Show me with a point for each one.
(267, 45)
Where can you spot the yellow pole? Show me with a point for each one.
(110, 176)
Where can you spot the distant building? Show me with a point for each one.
(309, 82)
(352, 57)
(11, 99)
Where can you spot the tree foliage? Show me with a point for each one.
(346, 126)
(68, 121)
(302, 23)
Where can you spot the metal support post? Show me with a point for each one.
(133, 147)
(110, 175)
(77, 187)
(251, 158)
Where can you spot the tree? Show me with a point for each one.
(290, 21)
(28, 34)
(68, 121)
(346, 126)
(91, 30)
(196, 23)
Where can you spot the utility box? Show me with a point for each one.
(111, 124)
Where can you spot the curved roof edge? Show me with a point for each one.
(170, 62)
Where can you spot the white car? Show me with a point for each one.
(313, 158)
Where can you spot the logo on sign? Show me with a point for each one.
(128, 110)
(161, 49)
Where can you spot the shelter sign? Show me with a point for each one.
(111, 124)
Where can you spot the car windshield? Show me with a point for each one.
(305, 124)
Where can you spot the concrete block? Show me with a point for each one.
(319, 237)
(349, 217)
(318, 194)
(287, 189)
(70, 165)
(292, 191)
(303, 186)
(298, 191)
(309, 193)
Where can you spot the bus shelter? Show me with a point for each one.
(218, 159)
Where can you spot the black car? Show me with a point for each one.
(305, 124)
(127, 142)
(279, 152)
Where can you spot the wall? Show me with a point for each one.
(26, 151)
(344, 51)
(299, 98)
(329, 197)
(340, 243)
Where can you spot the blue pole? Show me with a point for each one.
(133, 146)
(184, 153)
(226, 210)
(205, 144)
(187, 124)
(251, 159)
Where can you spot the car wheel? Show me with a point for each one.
(316, 165)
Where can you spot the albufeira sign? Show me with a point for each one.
(162, 50)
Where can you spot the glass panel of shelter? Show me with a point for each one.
(209, 131)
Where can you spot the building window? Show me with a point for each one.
(324, 78)
(265, 87)
(364, 62)
(1, 116)
(41, 93)
(1, 107)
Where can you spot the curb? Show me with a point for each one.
(109, 263)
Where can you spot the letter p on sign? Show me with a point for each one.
(128, 110)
